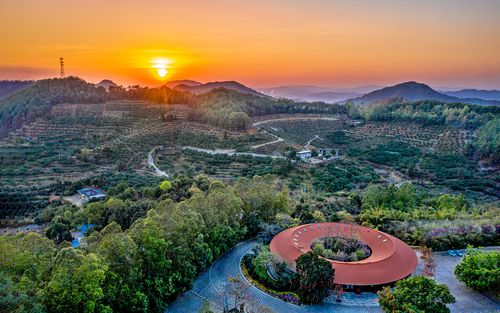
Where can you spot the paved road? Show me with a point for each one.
(314, 138)
(151, 163)
(279, 139)
(467, 300)
(210, 285)
(231, 152)
(305, 118)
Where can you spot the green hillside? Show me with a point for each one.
(35, 101)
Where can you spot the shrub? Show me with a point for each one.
(480, 270)
(165, 186)
(341, 249)
(416, 294)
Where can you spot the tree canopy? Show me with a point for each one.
(416, 294)
(314, 277)
(133, 261)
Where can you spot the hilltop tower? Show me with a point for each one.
(62, 67)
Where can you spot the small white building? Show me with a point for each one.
(304, 154)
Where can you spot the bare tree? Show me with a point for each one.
(427, 258)
(241, 298)
(338, 291)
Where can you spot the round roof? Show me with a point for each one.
(391, 258)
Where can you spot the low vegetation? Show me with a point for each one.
(479, 270)
(341, 249)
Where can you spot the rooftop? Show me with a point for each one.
(91, 192)
(391, 258)
(304, 152)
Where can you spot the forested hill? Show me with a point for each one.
(9, 87)
(204, 88)
(413, 91)
(483, 120)
(232, 110)
(36, 100)
(221, 107)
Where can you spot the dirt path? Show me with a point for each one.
(231, 152)
(295, 119)
(279, 139)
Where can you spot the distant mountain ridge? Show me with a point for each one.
(409, 91)
(186, 82)
(475, 93)
(203, 88)
(413, 91)
(317, 93)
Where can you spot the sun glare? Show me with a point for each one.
(161, 65)
(162, 72)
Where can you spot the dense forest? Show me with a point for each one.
(148, 245)
(487, 141)
(428, 112)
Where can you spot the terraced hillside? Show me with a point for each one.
(78, 141)
(82, 140)
(439, 139)
(218, 166)
(434, 155)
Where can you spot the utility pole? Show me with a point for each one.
(62, 67)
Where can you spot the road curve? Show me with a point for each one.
(279, 139)
(210, 285)
(151, 163)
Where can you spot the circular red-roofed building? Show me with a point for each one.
(391, 259)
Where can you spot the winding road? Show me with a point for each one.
(231, 152)
(211, 283)
(151, 163)
(279, 139)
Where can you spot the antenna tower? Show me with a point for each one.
(62, 67)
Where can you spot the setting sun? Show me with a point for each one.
(161, 65)
(162, 72)
(344, 153)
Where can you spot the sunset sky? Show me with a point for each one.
(258, 42)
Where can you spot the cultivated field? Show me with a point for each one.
(82, 140)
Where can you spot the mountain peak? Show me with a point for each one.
(408, 91)
(207, 87)
(185, 82)
(106, 83)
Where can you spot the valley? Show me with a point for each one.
(245, 165)
(249, 156)
(76, 142)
